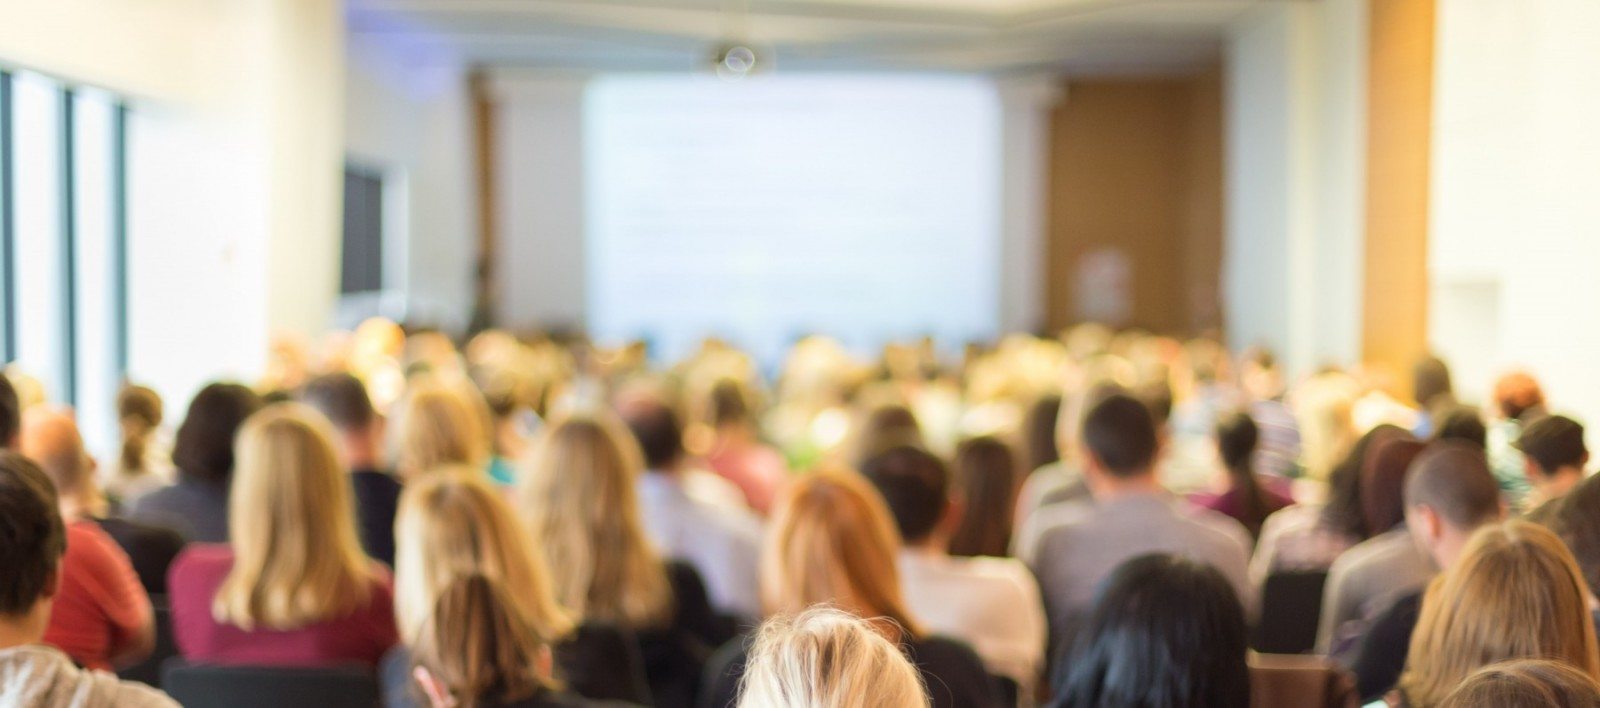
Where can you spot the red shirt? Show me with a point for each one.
(100, 603)
(361, 637)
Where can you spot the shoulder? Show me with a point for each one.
(1218, 527)
(202, 560)
(951, 662)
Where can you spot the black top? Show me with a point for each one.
(1381, 655)
(196, 509)
(598, 662)
(953, 673)
(675, 655)
(151, 548)
(559, 699)
(377, 498)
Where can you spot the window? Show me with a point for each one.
(62, 243)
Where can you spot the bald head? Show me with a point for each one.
(1453, 479)
(50, 438)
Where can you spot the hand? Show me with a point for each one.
(438, 695)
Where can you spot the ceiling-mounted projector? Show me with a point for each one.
(736, 60)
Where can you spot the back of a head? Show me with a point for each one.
(203, 449)
(1464, 424)
(832, 540)
(342, 398)
(1430, 380)
(659, 433)
(478, 645)
(1383, 478)
(139, 412)
(51, 439)
(916, 486)
(729, 404)
(1516, 593)
(1578, 525)
(883, 428)
(1454, 480)
(987, 478)
(32, 538)
(1526, 683)
(291, 523)
(1040, 428)
(827, 658)
(1120, 432)
(1164, 631)
(10, 413)
(1237, 436)
(437, 426)
(1554, 442)
(1516, 393)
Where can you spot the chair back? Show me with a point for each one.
(1291, 605)
(149, 670)
(1300, 681)
(199, 686)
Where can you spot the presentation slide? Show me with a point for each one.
(866, 208)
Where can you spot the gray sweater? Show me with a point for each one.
(39, 676)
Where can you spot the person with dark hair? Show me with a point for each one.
(1518, 402)
(33, 540)
(360, 434)
(991, 603)
(1462, 423)
(1526, 682)
(1370, 575)
(737, 453)
(1246, 499)
(721, 541)
(1039, 427)
(987, 480)
(1163, 631)
(1574, 518)
(10, 414)
(1131, 515)
(1432, 390)
(1449, 495)
(197, 504)
(1555, 454)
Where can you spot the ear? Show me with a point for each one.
(1530, 469)
(1432, 524)
(438, 695)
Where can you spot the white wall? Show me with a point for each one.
(1516, 195)
(408, 111)
(1294, 144)
(234, 159)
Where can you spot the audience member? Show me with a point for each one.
(1370, 576)
(1518, 401)
(476, 648)
(1039, 430)
(992, 604)
(435, 427)
(1526, 683)
(721, 541)
(1464, 424)
(144, 462)
(10, 414)
(827, 657)
(293, 588)
(1576, 518)
(102, 616)
(1132, 515)
(1062, 482)
(1246, 500)
(196, 505)
(737, 453)
(883, 427)
(1449, 494)
(987, 480)
(1514, 594)
(33, 540)
(1433, 392)
(579, 494)
(1278, 448)
(452, 524)
(1554, 454)
(359, 437)
(834, 542)
(1309, 537)
(1163, 631)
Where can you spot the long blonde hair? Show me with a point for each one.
(436, 427)
(833, 541)
(479, 646)
(1516, 593)
(577, 494)
(297, 560)
(824, 657)
(452, 524)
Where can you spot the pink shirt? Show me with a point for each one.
(757, 470)
(358, 638)
(100, 604)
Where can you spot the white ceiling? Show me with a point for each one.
(1067, 36)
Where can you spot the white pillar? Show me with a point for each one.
(1026, 105)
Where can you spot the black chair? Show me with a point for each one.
(197, 686)
(149, 670)
(1291, 605)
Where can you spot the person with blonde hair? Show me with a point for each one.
(453, 524)
(294, 587)
(1526, 682)
(825, 657)
(578, 494)
(436, 426)
(834, 542)
(1516, 593)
